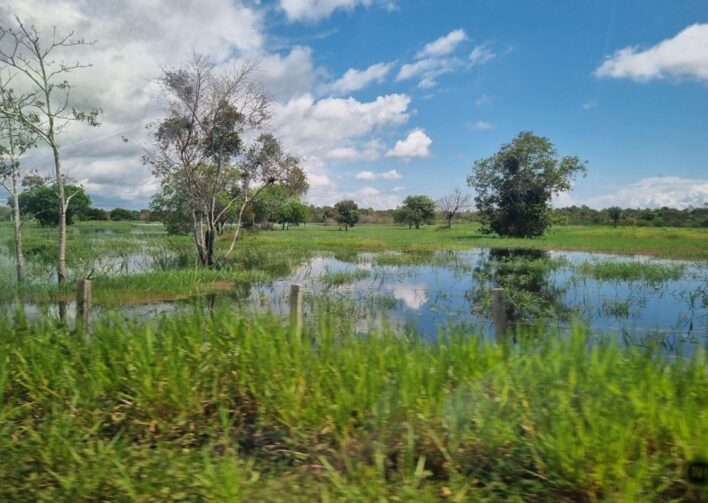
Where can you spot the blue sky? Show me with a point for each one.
(394, 97)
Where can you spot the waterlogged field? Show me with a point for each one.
(194, 387)
(139, 271)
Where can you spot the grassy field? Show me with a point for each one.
(678, 243)
(227, 408)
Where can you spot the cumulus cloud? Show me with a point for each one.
(443, 45)
(291, 75)
(416, 144)
(313, 10)
(656, 192)
(353, 79)
(683, 56)
(315, 127)
(386, 175)
(131, 48)
(333, 130)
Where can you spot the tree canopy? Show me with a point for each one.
(515, 186)
(416, 210)
(41, 203)
(347, 213)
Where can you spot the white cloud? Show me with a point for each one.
(313, 10)
(429, 70)
(685, 55)
(370, 197)
(386, 175)
(656, 192)
(335, 130)
(481, 54)
(353, 79)
(482, 126)
(416, 144)
(369, 151)
(290, 75)
(590, 104)
(437, 58)
(134, 40)
(443, 45)
(313, 128)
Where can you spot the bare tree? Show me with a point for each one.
(453, 204)
(45, 110)
(200, 153)
(15, 140)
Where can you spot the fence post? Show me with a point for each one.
(296, 309)
(499, 312)
(83, 305)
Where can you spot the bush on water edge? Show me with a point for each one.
(226, 407)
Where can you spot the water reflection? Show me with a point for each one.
(525, 275)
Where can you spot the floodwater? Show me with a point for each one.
(431, 292)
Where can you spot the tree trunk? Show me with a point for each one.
(61, 245)
(449, 222)
(18, 223)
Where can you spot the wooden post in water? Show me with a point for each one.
(83, 305)
(296, 309)
(499, 312)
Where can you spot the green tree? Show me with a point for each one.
(416, 210)
(41, 203)
(122, 214)
(514, 186)
(347, 213)
(200, 156)
(615, 213)
(96, 214)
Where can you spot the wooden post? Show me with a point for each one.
(83, 305)
(296, 309)
(499, 312)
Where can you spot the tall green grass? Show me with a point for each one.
(230, 407)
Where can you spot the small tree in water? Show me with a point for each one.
(514, 187)
(209, 175)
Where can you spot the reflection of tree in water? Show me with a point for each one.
(524, 274)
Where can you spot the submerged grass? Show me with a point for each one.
(652, 273)
(231, 407)
(338, 278)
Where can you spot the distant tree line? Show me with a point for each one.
(657, 217)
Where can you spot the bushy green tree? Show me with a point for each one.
(514, 186)
(96, 214)
(122, 214)
(416, 210)
(615, 213)
(346, 213)
(41, 203)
